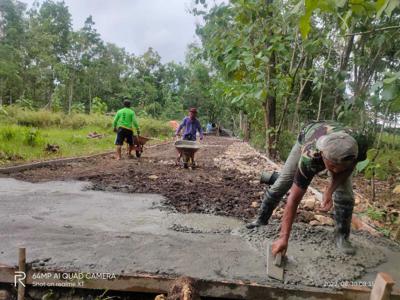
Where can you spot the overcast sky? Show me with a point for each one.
(136, 25)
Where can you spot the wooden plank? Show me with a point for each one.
(4, 295)
(206, 288)
(22, 270)
(54, 162)
(382, 288)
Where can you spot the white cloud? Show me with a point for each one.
(136, 25)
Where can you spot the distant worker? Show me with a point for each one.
(123, 124)
(320, 145)
(192, 125)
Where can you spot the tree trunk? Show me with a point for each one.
(90, 99)
(70, 96)
(378, 148)
(245, 128)
(296, 118)
(344, 60)
(286, 101)
(322, 86)
(270, 122)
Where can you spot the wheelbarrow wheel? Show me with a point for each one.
(138, 154)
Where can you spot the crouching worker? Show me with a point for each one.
(320, 145)
(123, 124)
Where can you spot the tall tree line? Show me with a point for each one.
(44, 63)
(281, 63)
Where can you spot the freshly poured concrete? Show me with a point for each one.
(65, 226)
(115, 232)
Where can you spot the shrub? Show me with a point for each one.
(41, 118)
(8, 133)
(74, 121)
(78, 108)
(77, 140)
(98, 106)
(32, 137)
(154, 128)
(285, 144)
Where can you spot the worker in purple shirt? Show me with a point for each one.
(192, 125)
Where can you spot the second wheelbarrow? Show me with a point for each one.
(186, 150)
(138, 143)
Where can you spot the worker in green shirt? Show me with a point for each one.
(123, 124)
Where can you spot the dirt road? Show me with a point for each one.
(226, 183)
(208, 189)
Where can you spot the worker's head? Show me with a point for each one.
(192, 113)
(127, 103)
(339, 151)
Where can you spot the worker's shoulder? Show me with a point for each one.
(126, 110)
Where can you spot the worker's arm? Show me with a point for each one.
(183, 123)
(135, 123)
(116, 118)
(293, 200)
(336, 180)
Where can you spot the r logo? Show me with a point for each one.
(19, 277)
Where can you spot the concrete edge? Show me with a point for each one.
(148, 283)
(54, 162)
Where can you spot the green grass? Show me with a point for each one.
(21, 143)
(25, 134)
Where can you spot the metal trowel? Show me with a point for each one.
(274, 265)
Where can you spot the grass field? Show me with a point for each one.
(24, 135)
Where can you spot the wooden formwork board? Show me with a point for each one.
(160, 284)
(60, 161)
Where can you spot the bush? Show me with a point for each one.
(41, 118)
(285, 144)
(8, 133)
(75, 121)
(154, 128)
(77, 140)
(98, 106)
(32, 137)
(46, 118)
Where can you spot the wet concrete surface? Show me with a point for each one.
(65, 225)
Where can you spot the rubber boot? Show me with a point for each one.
(265, 212)
(343, 214)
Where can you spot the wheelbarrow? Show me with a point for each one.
(138, 143)
(186, 150)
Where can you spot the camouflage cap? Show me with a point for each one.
(338, 147)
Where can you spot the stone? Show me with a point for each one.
(153, 177)
(396, 190)
(4, 295)
(255, 204)
(278, 213)
(309, 203)
(315, 223)
(305, 216)
(324, 220)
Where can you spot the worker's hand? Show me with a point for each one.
(279, 246)
(115, 129)
(138, 132)
(327, 202)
